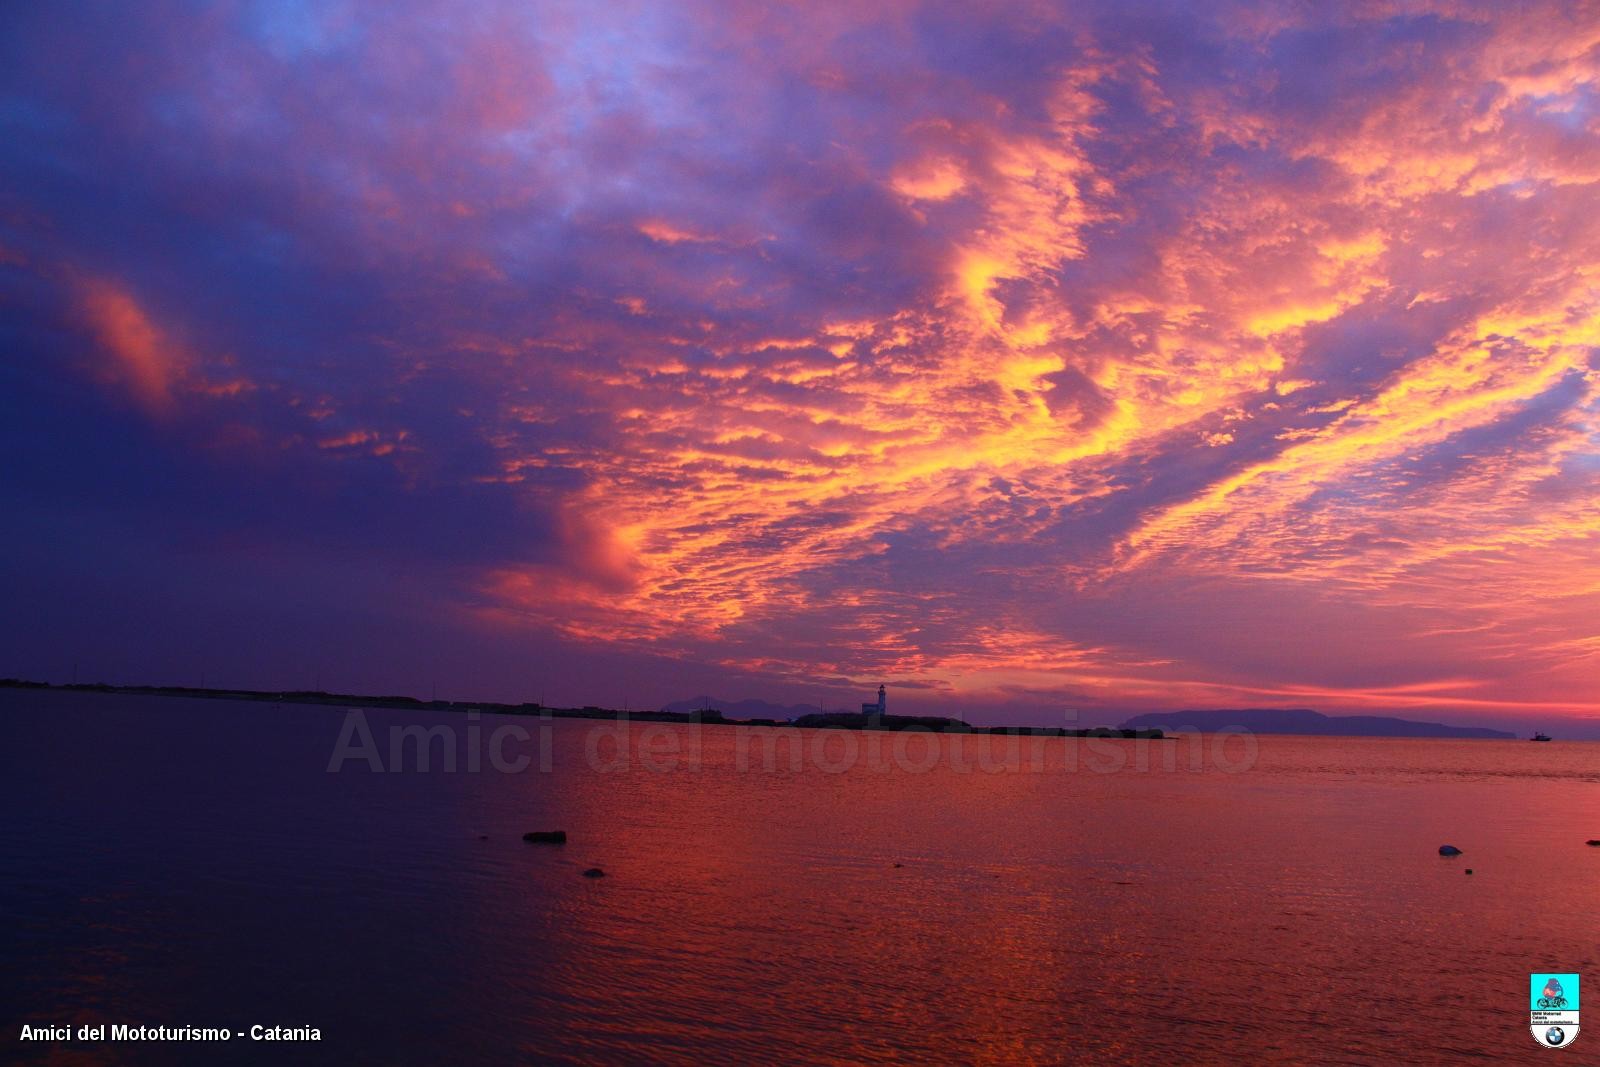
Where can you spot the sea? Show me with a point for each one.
(774, 896)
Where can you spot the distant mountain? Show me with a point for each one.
(743, 709)
(1306, 721)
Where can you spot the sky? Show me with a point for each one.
(1028, 358)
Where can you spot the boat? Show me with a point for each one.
(1540, 736)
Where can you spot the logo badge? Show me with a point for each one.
(1553, 1008)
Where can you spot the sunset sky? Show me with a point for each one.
(1106, 355)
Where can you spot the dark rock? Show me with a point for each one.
(594, 872)
(1449, 850)
(1595, 844)
(483, 837)
(899, 865)
(1469, 870)
(546, 837)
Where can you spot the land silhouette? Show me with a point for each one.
(1306, 721)
(838, 720)
(708, 710)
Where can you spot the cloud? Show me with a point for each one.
(993, 352)
(141, 358)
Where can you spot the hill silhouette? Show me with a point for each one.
(1306, 721)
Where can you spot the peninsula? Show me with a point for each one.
(841, 720)
(706, 710)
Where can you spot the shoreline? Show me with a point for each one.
(703, 717)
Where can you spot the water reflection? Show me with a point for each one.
(194, 862)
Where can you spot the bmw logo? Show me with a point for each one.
(1554, 1036)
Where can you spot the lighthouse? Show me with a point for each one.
(879, 707)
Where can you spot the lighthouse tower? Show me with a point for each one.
(879, 707)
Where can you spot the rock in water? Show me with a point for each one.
(1449, 850)
(594, 872)
(1469, 870)
(1596, 844)
(546, 837)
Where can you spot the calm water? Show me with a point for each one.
(193, 862)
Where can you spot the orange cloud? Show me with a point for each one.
(671, 233)
(143, 360)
